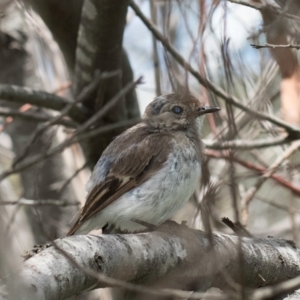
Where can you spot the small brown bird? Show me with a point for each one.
(149, 171)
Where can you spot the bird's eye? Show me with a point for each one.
(177, 110)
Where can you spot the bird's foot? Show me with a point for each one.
(149, 226)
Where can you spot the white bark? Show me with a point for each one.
(173, 257)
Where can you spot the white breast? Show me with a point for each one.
(160, 197)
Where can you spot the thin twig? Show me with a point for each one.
(35, 117)
(272, 169)
(72, 177)
(246, 144)
(30, 202)
(287, 209)
(269, 8)
(155, 51)
(237, 228)
(23, 95)
(272, 46)
(295, 130)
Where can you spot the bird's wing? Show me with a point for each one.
(137, 155)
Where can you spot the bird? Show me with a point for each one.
(149, 171)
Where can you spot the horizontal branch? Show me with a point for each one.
(172, 257)
(266, 7)
(31, 202)
(246, 144)
(272, 46)
(34, 116)
(43, 99)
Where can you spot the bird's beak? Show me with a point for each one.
(207, 110)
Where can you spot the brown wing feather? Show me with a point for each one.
(138, 155)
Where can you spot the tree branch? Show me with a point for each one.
(246, 144)
(262, 7)
(31, 202)
(272, 46)
(43, 99)
(174, 257)
(35, 117)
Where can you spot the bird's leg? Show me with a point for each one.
(149, 226)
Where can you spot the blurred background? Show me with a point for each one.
(251, 171)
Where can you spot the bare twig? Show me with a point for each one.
(245, 144)
(41, 99)
(295, 130)
(107, 128)
(287, 209)
(272, 46)
(155, 51)
(31, 202)
(72, 177)
(263, 7)
(252, 191)
(36, 117)
(237, 228)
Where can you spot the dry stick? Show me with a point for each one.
(285, 183)
(287, 209)
(205, 82)
(85, 93)
(155, 51)
(72, 177)
(272, 169)
(269, 8)
(103, 129)
(30, 202)
(32, 161)
(39, 98)
(35, 117)
(245, 144)
(272, 46)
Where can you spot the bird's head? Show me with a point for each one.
(176, 112)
